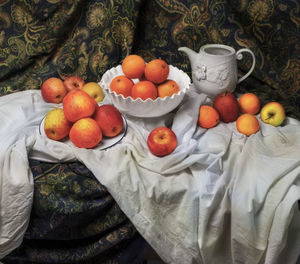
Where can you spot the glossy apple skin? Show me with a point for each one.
(56, 125)
(74, 83)
(162, 141)
(227, 106)
(272, 113)
(85, 133)
(109, 119)
(78, 104)
(53, 90)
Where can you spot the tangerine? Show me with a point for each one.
(133, 66)
(121, 85)
(247, 124)
(167, 88)
(249, 103)
(144, 90)
(157, 71)
(208, 116)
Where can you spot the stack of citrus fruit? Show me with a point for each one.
(152, 79)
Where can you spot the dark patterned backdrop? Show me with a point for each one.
(44, 38)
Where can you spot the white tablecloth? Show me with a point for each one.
(220, 197)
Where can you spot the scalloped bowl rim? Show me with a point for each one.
(129, 98)
(149, 107)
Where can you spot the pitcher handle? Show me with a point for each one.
(239, 56)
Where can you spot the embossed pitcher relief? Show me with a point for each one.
(214, 68)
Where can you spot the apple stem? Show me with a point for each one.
(270, 116)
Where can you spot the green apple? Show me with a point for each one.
(272, 113)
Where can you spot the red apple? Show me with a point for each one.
(85, 133)
(227, 106)
(162, 141)
(53, 90)
(73, 83)
(109, 119)
(78, 104)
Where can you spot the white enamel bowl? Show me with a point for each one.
(148, 108)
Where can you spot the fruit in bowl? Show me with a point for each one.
(121, 85)
(56, 125)
(157, 71)
(74, 83)
(85, 133)
(144, 90)
(133, 66)
(109, 120)
(78, 104)
(145, 100)
(167, 88)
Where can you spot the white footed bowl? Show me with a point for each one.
(148, 108)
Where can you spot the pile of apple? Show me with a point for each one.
(80, 118)
(244, 111)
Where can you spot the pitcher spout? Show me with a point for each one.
(190, 53)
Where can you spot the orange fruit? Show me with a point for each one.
(157, 71)
(208, 116)
(144, 90)
(167, 88)
(133, 66)
(249, 103)
(121, 85)
(247, 124)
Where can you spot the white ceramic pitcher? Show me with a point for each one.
(214, 68)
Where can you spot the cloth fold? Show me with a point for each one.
(220, 197)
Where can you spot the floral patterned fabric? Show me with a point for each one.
(44, 38)
(75, 220)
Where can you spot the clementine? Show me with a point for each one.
(133, 66)
(249, 103)
(247, 124)
(144, 90)
(208, 116)
(121, 85)
(157, 71)
(167, 88)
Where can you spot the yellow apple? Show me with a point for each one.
(272, 113)
(56, 125)
(94, 90)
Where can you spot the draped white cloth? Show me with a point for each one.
(220, 197)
